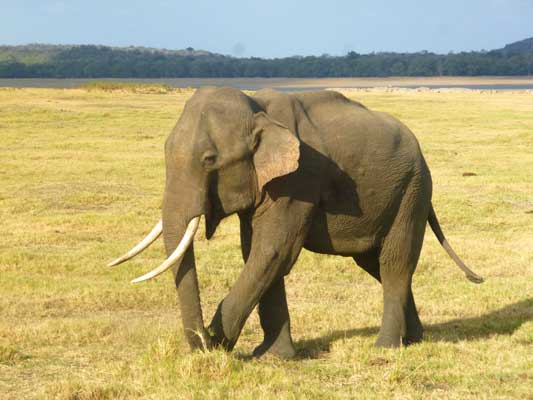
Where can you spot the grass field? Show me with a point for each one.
(81, 178)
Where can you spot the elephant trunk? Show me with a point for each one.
(185, 276)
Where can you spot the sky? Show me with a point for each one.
(273, 28)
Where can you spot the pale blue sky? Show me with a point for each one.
(271, 28)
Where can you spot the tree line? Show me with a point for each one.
(89, 61)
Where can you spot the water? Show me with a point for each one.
(473, 87)
(476, 87)
(288, 84)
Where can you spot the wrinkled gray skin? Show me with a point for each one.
(307, 170)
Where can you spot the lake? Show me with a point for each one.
(299, 84)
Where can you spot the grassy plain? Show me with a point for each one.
(81, 178)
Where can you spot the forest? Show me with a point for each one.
(95, 61)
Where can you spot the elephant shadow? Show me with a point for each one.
(504, 321)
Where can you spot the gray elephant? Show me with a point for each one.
(310, 170)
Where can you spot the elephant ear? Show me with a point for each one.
(276, 149)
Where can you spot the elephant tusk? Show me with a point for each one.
(176, 255)
(143, 244)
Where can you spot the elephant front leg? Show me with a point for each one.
(273, 310)
(276, 242)
(232, 312)
(275, 321)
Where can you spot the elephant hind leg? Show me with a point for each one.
(369, 261)
(397, 263)
(401, 323)
(275, 321)
(413, 327)
(415, 331)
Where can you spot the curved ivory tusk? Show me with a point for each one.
(147, 241)
(176, 255)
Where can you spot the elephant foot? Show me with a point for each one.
(388, 341)
(281, 349)
(408, 340)
(394, 342)
(413, 338)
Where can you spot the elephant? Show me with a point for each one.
(311, 170)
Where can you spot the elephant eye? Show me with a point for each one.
(209, 159)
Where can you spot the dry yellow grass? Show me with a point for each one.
(81, 178)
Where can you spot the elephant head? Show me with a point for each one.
(220, 155)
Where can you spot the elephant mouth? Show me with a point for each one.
(175, 257)
(215, 212)
(211, 225)
(213, 217)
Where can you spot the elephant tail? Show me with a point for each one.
(435, 227)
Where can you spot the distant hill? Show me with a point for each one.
(37, 53)
(96, 61)
(522, 46)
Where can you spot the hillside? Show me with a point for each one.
(96, 61)
(522, 46)
(37, 53)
